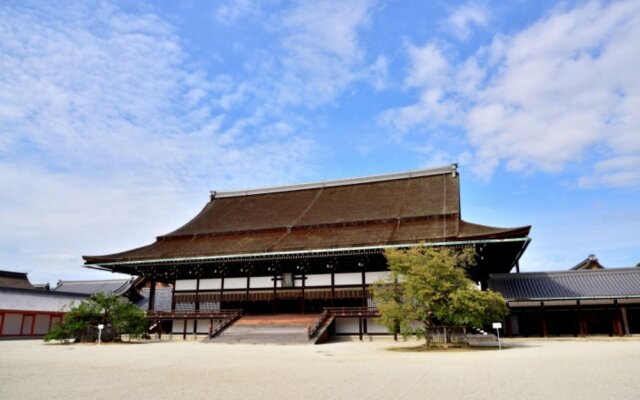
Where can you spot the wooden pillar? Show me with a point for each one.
(274, 307)
(360, 327)
(184, 330)
(173, 296)
(304, 284)
(364, 286)
(581, 322)
(160, 330)
(2, 323)
(333, 288)
(625, 321)
(221, 289)
(152, 295)
(210, 327)
(507, 324)
(196, 306)
(545, 330)
(33, 325)
(197, 302)
(246, 297)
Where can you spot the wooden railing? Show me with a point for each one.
(313, 328)
(353, 311)
(224, 323)
(191, 314)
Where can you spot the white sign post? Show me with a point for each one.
(100, 328)
(497, 326)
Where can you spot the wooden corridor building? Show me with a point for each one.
(586, 300)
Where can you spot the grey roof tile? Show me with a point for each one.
(162, 301)
(115, 286)
(576, 284)
(37, 300)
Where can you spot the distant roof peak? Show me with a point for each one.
(589, 263)
(448, 169)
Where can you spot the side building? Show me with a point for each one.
(27, 311)
(586, 300)
(300, 249)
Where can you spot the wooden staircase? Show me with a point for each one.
(280, 329)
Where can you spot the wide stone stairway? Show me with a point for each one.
(282, 329)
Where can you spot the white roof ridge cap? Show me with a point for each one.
(338, 182)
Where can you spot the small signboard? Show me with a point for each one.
(287, 279)
(497, 326)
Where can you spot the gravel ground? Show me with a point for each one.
(532, 369)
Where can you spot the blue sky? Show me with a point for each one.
(118, 117)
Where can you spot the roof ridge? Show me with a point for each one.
(534, 274)
(448, 169)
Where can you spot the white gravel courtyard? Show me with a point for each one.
(531, 369)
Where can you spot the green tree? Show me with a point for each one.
(117, 314)
(429, 286)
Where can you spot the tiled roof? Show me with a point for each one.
(37, 300)
(118, 286)
(590, 262)
(14, 280)
(162, 300)
(605, 283)
(406, 208)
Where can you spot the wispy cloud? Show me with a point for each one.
(563, 90)
(464, 18)
(106, 126)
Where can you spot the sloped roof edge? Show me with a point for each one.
(92, 261)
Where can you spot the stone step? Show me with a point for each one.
(268, 329)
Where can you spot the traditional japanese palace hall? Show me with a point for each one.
(308, 250)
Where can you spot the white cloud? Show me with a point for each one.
(232, 10)
(109, 137)
(320, 51)
(564, 89)
(463, 18)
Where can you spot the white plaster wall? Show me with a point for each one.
(374, 327)
(628, 301)
(210, 284)
(235, 283)
(350, 278)
(318, 280)
(42, 324)
(561, 303)
(26, 324)
(347, 325)
(595, 302)
(186, 284)
(178, 326)
(372, 277)
(261, 282)
(12, 324)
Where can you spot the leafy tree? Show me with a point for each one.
(428, 285)
(117, 314)
(638, 265)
